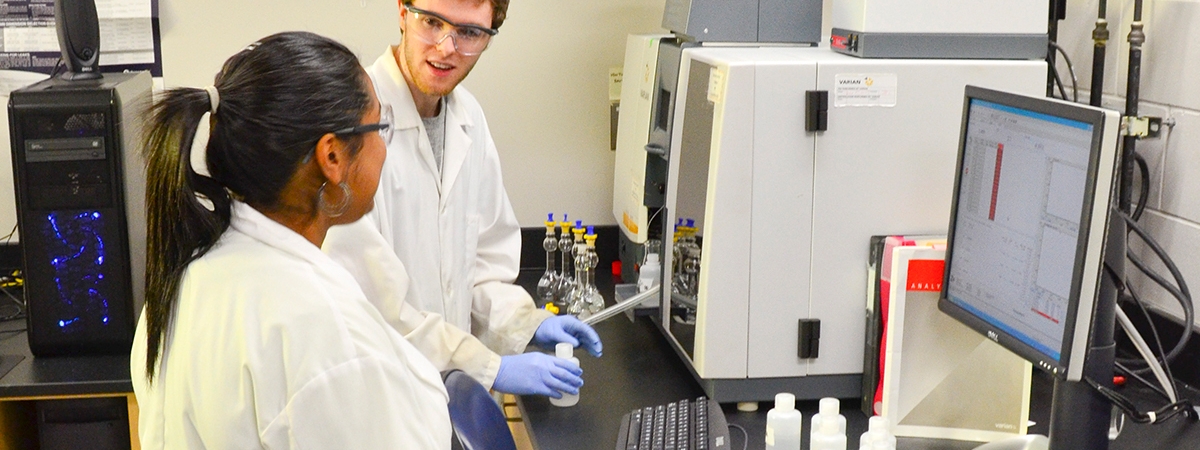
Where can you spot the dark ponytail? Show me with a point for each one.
(276, 99)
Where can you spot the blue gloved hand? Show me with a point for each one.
(537, 373)
(570, 330)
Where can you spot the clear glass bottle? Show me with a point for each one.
(576, 304)
(676, 259)
(546, 285)
(691, 272)
(595, 301)
(565, 279)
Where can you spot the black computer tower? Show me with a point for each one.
(80, 210)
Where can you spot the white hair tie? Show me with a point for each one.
(214, 99)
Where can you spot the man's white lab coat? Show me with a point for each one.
(273, 345)
(455, 232)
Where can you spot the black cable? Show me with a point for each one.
(1057, 80)
(1157, 416)
(1137, 262)
(18, 313)
(746, 441)
(1133, 374)
(1182, 294)
(57, 65)
(8, 238)
(15, 299)
(1158, 343)
(1070, 68)
(1144, 195)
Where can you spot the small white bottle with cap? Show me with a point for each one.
(783, 424)
(828, 427)
(878, 435)
(649, 274)
(566, 351)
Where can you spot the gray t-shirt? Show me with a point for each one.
(436, 128)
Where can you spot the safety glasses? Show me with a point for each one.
(431, 28)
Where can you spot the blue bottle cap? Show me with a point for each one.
(691, 223)
(591, 229)
(549, 217)
(578, 224)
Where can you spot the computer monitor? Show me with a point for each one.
(1029, 241)
(1028, 222)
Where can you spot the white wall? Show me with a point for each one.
(1170, 66)
(543, 82)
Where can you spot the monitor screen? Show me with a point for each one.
(1028, 221)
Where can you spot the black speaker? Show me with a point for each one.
(79, 38)
(80, 210)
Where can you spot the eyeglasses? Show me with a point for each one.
(432, 29)
(384, 127)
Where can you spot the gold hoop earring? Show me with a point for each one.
(337, 209)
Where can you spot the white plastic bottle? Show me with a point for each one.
(566, 351)
(783, 424)
(878, 435)
(650, 273)
(828, 427)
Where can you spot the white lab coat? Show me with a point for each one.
(273, 345)
(363, 252)
(454, 232)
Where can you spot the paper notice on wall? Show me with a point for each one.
(864, 89)
(129, 38)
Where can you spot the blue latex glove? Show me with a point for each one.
(537, 373)
(570, 330)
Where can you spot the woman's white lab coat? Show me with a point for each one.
(273, 345)
(454, 230)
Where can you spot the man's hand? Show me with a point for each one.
(537, 373)
(570, 330)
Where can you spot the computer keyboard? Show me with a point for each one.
(683, 425)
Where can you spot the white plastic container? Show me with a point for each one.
(828, 427)
(784, 423)
(565, 351)
(878, 436)
(650, 274)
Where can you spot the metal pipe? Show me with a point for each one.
(1100, 40)
(1057, 12)
(621, 307)
(1128, 164)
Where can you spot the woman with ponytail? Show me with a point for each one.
(252, 337)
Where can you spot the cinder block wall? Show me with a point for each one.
(1170, 88)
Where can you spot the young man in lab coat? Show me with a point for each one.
(442, 207)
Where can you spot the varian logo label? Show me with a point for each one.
(865, 89)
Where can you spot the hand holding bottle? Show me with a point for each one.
(537, 374)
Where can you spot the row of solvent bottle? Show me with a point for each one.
(828, 427)
(572, 289)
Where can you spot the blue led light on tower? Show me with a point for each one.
(76, 252)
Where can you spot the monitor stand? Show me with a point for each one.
(1079, 416)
